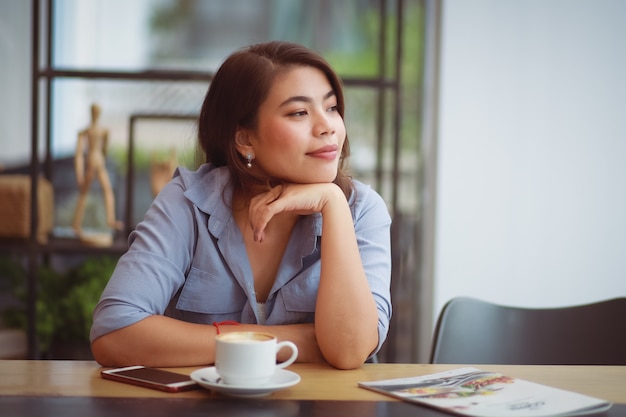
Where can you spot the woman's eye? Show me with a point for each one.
(333, 108)
(298, 113)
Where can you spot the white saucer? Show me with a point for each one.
(208, 378)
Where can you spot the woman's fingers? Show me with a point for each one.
(261, 211)
(297, 198)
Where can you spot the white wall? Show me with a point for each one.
(531, 198)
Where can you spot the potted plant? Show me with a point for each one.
(63, 307)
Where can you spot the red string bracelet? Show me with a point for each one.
(217, 324)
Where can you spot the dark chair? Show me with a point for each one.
(471, 331)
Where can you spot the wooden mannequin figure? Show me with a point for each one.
(90, 163)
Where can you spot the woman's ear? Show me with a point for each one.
(242, 142)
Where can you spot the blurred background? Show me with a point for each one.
(148, 63)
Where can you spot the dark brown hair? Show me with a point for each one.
(238, 89)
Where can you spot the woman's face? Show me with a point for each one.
(300, 133)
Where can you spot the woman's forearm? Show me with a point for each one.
(346, 317)
(156, 341)
(162, 341)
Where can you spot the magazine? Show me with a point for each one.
(472, 392)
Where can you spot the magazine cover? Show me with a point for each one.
(472, 392)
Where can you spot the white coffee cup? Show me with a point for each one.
(249, 358)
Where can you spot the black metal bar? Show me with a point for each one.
(48, 98)
(380, 111)
(34, 174)
(163, 116)
(162, 75)
(397, 114)
(130, 176)
(153, 75)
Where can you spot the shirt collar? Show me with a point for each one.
(210, 190)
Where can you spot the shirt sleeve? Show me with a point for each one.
(372, 224)
(153, 269)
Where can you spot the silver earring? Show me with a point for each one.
(249, 158)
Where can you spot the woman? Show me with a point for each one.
(270, 234)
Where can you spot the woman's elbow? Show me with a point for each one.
(99, 352)
(107, 353)
(350, 354)
(346, 362)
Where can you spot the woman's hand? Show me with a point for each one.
(301, 199)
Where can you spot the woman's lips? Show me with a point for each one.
(328, 152)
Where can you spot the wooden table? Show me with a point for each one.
(320, 384)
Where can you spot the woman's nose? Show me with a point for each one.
(323, 125)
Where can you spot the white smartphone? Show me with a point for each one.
(151, 378)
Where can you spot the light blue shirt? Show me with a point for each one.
(187, 260)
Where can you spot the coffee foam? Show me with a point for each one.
(246, 337)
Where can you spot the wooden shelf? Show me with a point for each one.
(62, 246)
